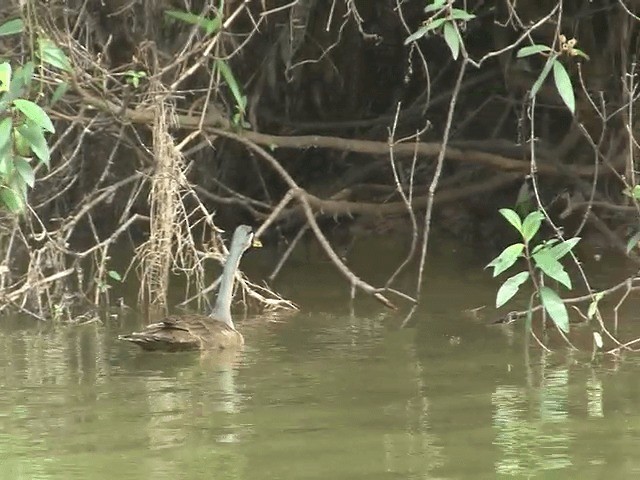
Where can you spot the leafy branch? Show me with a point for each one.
(23, 123)
(542, 259)
(447, 19)
(560, 76)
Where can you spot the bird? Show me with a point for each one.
(197, 331)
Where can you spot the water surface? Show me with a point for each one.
(329, 393)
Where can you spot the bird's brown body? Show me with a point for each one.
(186, 332)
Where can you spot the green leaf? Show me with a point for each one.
(437, 23)
(35, 138)
(21, 145)
(25, 171)
(50, 53)
(5, 76)
(35, 113)
(12, 27)
(436, 5)
(187, 17)
(5, 131)
(560, 250)
(20, 81)
(510, 287)
(208, 25)
(58, 93)
(417, 35)
(115, 275)
(632, 192)
(452, 39)
(546, 244)
(532, 50)
(506, 259)
(227, 74)
(25, 73)
(16, 89)
(531, 225)
(459, 14)
(555, 307)
(580, 53)
(551, 267)
(11, 199)
(631, 244)
(423, 30)
(543, 75)
(563, 84)
(18, 185)
(513, 218)
(524, 200)
(6, 163)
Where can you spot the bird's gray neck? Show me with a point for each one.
(222, 308)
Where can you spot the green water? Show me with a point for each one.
(324, 394)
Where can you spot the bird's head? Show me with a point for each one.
(244, 238)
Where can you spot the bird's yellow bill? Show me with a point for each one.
(256, 243)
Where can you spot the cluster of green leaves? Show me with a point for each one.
(22, 128)
(543, 258)
(134, 77)
(23, 123)
(444, 18)
(560, 76)
(212, 26)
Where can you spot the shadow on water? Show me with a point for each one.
(322, 394)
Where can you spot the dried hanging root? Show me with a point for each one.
(165, 205)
